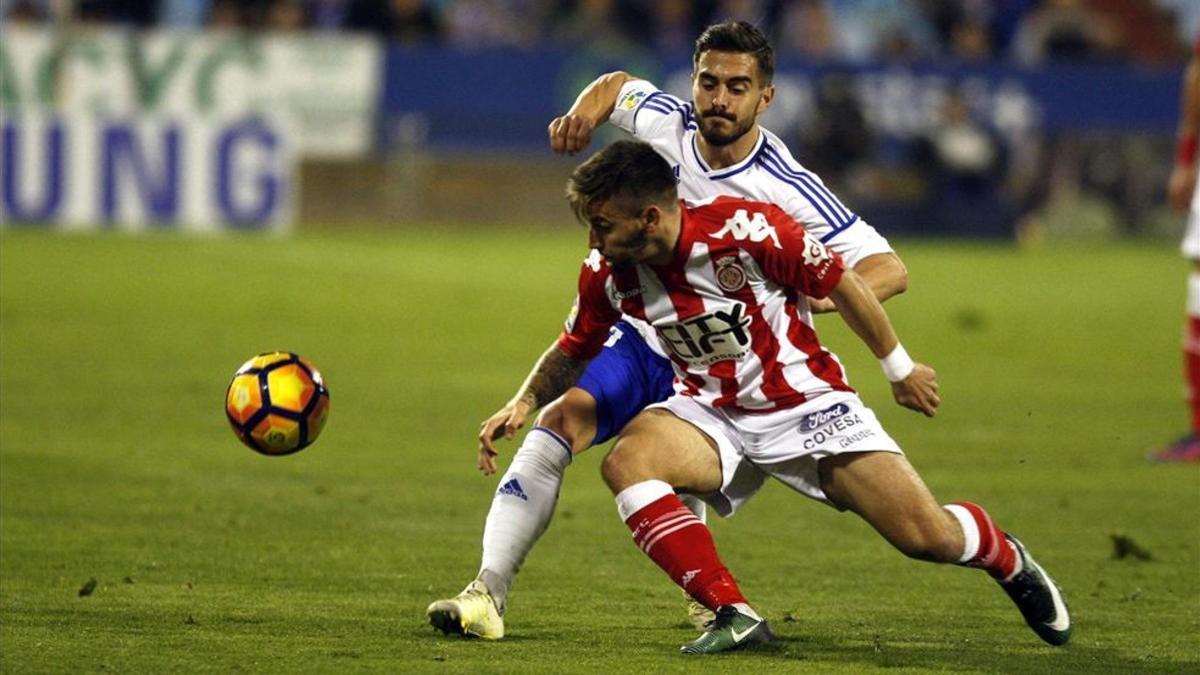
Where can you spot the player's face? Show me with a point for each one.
(728, 95)
(621, 238)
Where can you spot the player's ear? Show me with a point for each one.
(764, 99)
(652, 216)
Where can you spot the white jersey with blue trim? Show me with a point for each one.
(768, 174)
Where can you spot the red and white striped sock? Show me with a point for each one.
(985, 547)
(1191, 350)
(678, 542)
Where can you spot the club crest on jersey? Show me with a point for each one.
(717, 335)
(731, 276)
(743, 226)
(631, 100)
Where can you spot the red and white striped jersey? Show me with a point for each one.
(730, 310)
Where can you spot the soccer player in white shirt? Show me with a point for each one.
(725, 286)
(715, 147)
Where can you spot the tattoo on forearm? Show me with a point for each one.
(554, 374)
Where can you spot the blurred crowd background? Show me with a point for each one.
(1021, 31)
(982, 159)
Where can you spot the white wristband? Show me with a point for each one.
(897, 365)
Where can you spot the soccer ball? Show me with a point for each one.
(277, 403)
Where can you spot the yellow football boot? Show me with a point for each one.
(472, 612)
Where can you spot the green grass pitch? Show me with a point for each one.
(1059, 368)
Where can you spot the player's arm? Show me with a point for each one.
(914, 385)
(572, 132)
(559, 367)
(553, 374)
(884, 274)
(1183, 176)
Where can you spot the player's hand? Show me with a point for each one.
(1181, 186)
(504, 423)
(919, 390)
(570, 133)
(821, 305)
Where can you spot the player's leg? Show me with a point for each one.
(885, 490)
(624, 378)
(656, 454)
(1187, 447)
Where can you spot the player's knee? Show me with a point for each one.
(553, 417)
(625, 465)
(573, 417)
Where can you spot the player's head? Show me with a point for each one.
(624, 194)
(732, 69)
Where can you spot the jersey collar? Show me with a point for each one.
(728, 171)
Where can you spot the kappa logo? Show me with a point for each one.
(594, 260)
(513, 489)
(688, 576)
(743, 226)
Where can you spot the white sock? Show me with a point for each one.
(970, 531)
(747, 610)
(696, 506)
(522, 508)
(640, 495)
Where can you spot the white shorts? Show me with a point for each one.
(1191, 236)
(785, 445)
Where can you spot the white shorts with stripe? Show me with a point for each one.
(784, 445)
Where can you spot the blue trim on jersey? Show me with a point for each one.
(666, 104)
(838, 230)
(659, 106)
(814, 192)
(559, 439)
(689, 117)
(749, 161)
(765, 160)
(699, 159)
(819, 190)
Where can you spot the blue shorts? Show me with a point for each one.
(626, 377)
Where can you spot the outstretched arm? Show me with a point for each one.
(914, 385)
(573, 131)
(552, 375)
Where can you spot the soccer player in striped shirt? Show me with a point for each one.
(726, 288)
(715, 147)
(1183, 193)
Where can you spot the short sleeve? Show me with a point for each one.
(646, 112)
(587, 325)
(796, 258)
